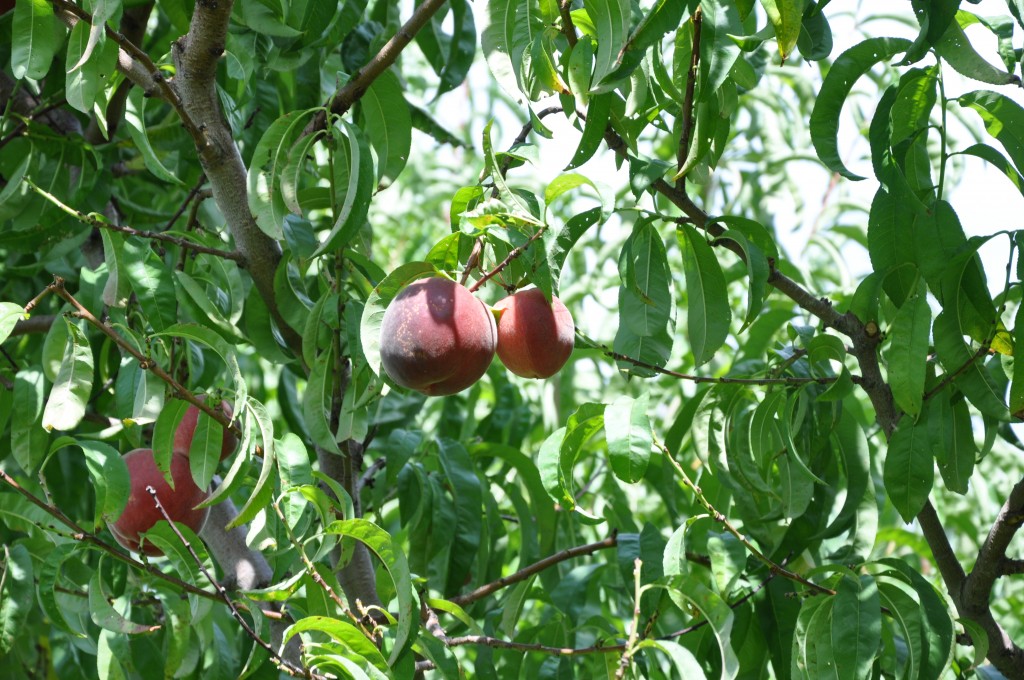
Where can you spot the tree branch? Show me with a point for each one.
(196, 56)
(145, 363)
(344, 98)
(691, 80)
(283, 664)
(98, 222)
(80, 534)
(535, 568)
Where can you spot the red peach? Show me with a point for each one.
(140, 514)
(535, 337)
(436, 337)
(187, 429)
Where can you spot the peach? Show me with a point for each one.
(140, 514)
(437, 338)
(187, 429)
(535, 337)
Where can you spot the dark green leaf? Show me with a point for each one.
(907, 354)
(628, 429)
(65, 406)
(847, 69)
(856, 625)
(385, 118)
(34, 24)
(707, 301)
(16, 594)
(909, 469)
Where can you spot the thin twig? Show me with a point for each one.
(315, 574)
(691, 80)
(535, 568)
(222, 591)
(95, 220)
(724, 521)
(344, 98)
(80, 534)
(185, 204)
(513, 254)
(145, 363)
(704, 378)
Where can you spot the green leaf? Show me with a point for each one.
(28, 440)
(316, 401)
(558, 244)
(103, 613)
(262, 492)
(707, 301)
(17, 594)
(37, 42)
(65, 406)
(611, 19)
(269, 159)
(645, 301)
(909, 469)
(353, 167)
(204, 451)
(384, 116)
(847, 69)
(152, 282)
(907, 354)
(757, 271)
(966, 368)
(856, 626)
(203, 308)
(598, 115)
(682, 658)
(88, 74)
(391, 555)
(987, 153)
(164, 430)
(49, 579)
(1003, 119)
(786, 16)
(953, 440)
(342, 632)
(502, 44)
(718, 51)
(956, 49)
(559, 452)
(468, 496)
(135, 118)
(691, 591)
(10, 315)
(628, 429)
(110, 479)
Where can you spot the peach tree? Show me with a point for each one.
(783, 444)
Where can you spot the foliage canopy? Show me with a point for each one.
(734, 475)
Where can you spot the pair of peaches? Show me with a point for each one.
(438, 338)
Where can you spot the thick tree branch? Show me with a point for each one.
(344, 98)
(196, 56)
